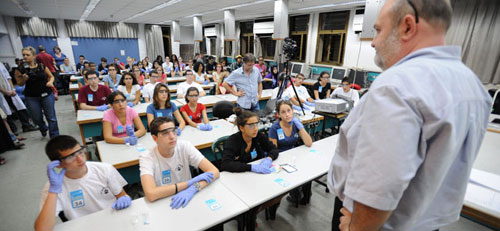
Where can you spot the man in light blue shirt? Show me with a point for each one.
(248, 81)
(405, 152)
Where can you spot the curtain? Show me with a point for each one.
(154, 41)
(36, 26)
(475, 28)
(257, 46)
(278, 58)
(101, 29)
(236, 42)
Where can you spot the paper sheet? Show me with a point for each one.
(485, 179)
(483, 197)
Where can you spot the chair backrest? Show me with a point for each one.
(496, 103)
(223, 109)
(217, 149)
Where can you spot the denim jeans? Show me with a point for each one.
(253, 107)
(45, 105)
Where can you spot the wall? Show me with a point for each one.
(95, 48)
(64, 41)
(187, 35)
(11, 46)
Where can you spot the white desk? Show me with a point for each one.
(493, 127)
(86, 116)
(208, 100)
(255, 189)
(228, 97)
(121, 156)
(176, 79)
(195, 216)
(266, 94)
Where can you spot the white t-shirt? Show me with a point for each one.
(301, 92)
(352, 94)
(171, 170)
(182, 88)
(167, 68)
(93, 192)
(148, 90)
(129, 95)
(199, 78)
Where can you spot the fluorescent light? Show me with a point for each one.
(331, 5)
(245, 4)
(90, 7)
(23, 6)
(158, 7)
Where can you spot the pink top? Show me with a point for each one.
(119, 129)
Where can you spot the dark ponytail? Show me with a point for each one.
(242, 116)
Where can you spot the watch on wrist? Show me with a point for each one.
(197, 186)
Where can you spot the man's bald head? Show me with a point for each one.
(437, 13)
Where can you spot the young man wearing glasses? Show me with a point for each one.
(93, 95)
(346, 91)
(165, 168)
(148, 90)
(182, 88)
(302, 93)
(77, 187)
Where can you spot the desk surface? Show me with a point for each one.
(120, 155)
(208, 100)
(195, 216)
(255, 189)
(493, 127)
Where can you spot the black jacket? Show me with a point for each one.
(234, 157)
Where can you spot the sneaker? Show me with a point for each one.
(292, 200)
(44, 133)
(30, 129)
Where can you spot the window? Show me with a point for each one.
(228, 48)
(298, 32)
(167, 46)
(331, 37)
(268, 46)
(246, 38)
(213, 43)
(203, 45)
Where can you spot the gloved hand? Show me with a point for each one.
(205, 82)
(130, 104)
(207, 176)
(208, 127)
(179, 131)
(130, 130)
(132, 140)
(55, 180)
(267, 162)
(260, 168)
(309, 104)
(103, 107)
(298, 108)
(183, 197)
(205, 127)
(122, 202)
(297, 123)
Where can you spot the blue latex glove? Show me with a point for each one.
(298, 108)
(132, 140)
(130, 104)
(122, 202)
(260, 168)
(266, 162)
(205, 82)
(297, 123)
(179, 131)
(103, 107)
(205, 127)
(208, 127)
(130, 130)
(55, 180)
(183, 197)
(309, 104)
(207, 176)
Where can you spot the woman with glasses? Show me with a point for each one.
(130, 88)
(139, 76)
(322, 88)
(113, 78)
(346, 91)
(118, 122)
(193, 112)
(163, 106)
(248, 145)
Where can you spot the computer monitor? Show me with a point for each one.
(357, 77)
(296, 69)
(337, 75)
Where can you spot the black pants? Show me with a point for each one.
(22, 115)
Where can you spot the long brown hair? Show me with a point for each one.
(156, 100)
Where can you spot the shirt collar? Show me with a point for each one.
(449, 52)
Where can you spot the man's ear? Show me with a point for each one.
(407, 28)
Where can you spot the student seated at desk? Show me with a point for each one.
(285, 133)
(162, 76)
(182, 87)
(322, 88)
(193, 112)
(113, 78)
(82, 81)
(165, 168)
(130, 88)
(81, 187)
(199, 73)
(94, 95)
(139, 76)
(302, 93)
(148, 90)
(346, 91)
(163, 106)
(248, 145)
(118, 123)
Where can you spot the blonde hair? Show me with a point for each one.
(31, 49)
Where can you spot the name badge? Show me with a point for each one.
(77, 200)
(281, 134)
(253, 154)
(90, 97)
(119, 128)
(166, 177)
(190, 117)
(45, 94)
(320, 89)
(127, 96)
(159, 114)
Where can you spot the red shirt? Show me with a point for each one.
(47, 60)
(91, 98)
(194, 116)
